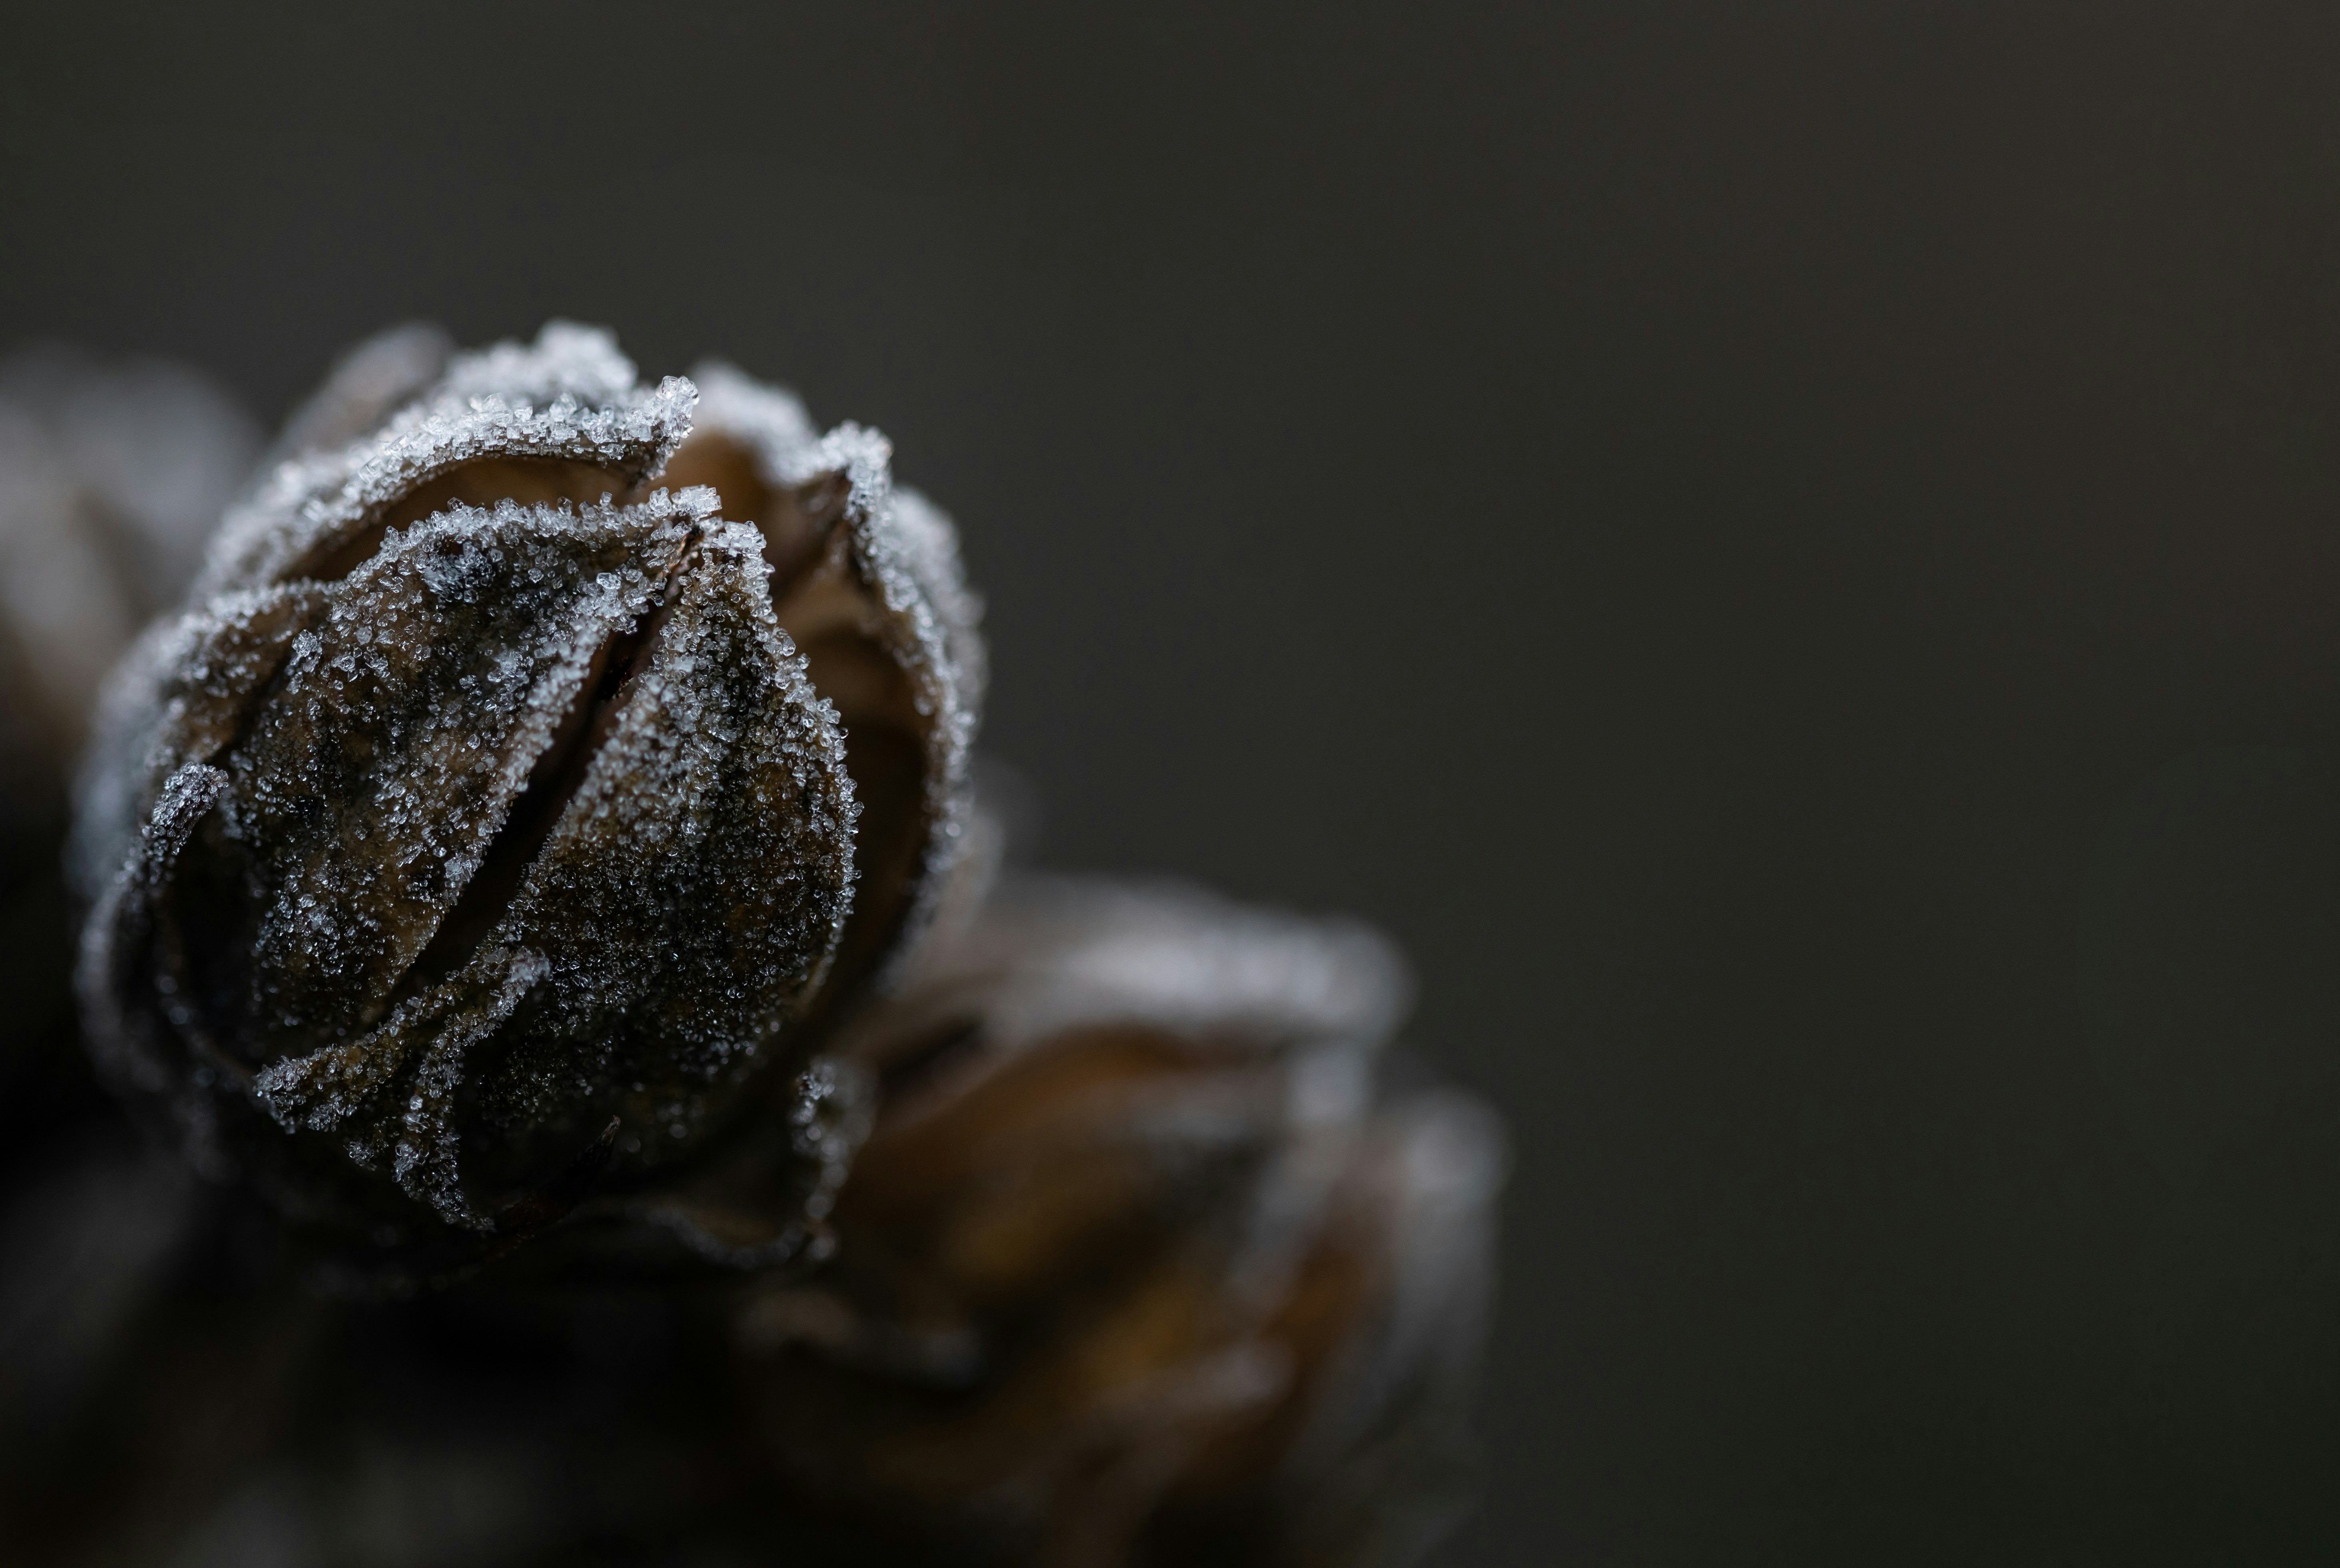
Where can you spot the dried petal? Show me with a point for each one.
(867, 580)
(560, 420)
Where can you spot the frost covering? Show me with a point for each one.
(486, 829)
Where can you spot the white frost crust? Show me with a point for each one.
(931, 553)
(568, 396)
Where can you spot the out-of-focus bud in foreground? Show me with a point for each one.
(1138, 1264)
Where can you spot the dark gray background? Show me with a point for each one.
(1788, 553)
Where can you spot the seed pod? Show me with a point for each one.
(478, 834)
(1135, 1265)
(110, 474)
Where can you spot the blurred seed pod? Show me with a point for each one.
(479, 833)
(112, 476)
(366, 386)
(111, 473)
(1136, 1265)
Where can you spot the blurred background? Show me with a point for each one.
(1787, 553)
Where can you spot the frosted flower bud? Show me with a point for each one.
(1137, 1263)
(480, 835)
